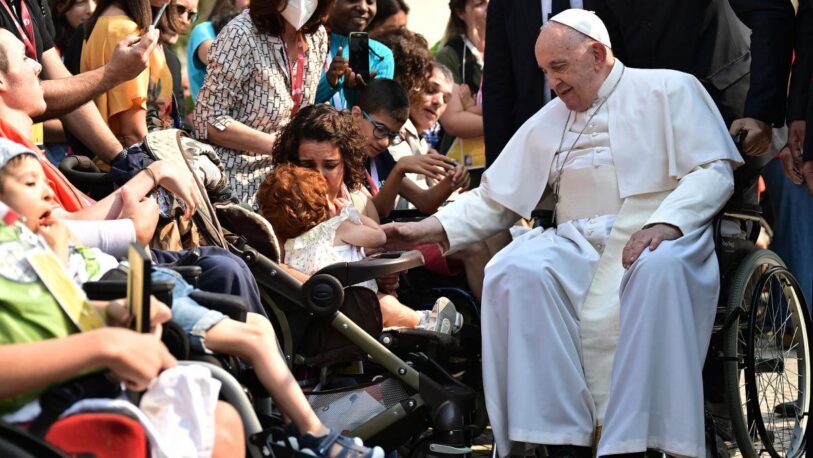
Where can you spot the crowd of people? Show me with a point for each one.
(617, 116)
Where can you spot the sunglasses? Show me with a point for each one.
(191, 14)
(381, 131)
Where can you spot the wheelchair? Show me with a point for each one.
(761, 340)
(760, 351)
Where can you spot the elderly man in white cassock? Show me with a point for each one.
(602, 322)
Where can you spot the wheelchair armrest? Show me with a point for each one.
(234, 307)
(377, 265)
(189, 273)
(110, 290)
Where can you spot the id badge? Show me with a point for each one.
(38, 134)
(70, 297)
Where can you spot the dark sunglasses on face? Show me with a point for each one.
(381, 131)
(191, 14)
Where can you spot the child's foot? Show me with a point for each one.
(444, 318)
(333, 445)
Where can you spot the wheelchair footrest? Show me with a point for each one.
(407, 339)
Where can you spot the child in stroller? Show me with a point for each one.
(294, 199)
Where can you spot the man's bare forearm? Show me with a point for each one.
(66, 94)
(86, 124)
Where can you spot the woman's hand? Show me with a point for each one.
(142, 212)
(466, 97)
(179, 181)
(435, 166)
(337, 69)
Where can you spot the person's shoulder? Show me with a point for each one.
(240, 25)
(114, 26)
(203, 31)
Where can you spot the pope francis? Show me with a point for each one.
(605, 319)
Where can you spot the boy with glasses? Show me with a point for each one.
(381, 114)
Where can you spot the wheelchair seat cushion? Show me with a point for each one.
(99, 434)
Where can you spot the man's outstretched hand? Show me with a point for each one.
(650, 237)
(405, 236)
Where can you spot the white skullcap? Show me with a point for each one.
(585, 22)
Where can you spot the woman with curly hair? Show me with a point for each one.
(264, 66)
(328, 141)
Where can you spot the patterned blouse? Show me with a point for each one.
(248, 80)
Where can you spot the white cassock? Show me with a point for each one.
(570, 339)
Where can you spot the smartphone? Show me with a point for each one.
(158, 14)
(139, 287)
(360, 54)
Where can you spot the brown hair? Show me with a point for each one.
(323, 123)
(10, 166)
(413, 64)
(267, 16)
(140, 12)
(293, 199)
(455, 26)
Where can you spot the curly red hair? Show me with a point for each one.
(293, 199)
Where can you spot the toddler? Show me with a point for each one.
(317, 234)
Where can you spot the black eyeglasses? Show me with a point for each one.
(191, 14)
(382, 131)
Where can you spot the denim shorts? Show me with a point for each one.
(193, 318)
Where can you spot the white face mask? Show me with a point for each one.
(297, 12)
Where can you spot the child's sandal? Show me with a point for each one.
(348, 448)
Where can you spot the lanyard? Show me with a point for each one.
(372, 181)
(27, 34)
(297, 71)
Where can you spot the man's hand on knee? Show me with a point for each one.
(651, 237)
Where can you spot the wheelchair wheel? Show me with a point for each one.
(767, 367)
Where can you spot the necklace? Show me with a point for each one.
(558, 181)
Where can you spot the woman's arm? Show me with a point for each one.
(457, 120)
(203, 51)
(239, 136)
(133, 125)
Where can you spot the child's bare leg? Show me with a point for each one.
(394, 313)
(256, 342)
(229, 433)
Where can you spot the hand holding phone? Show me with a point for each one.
(360, 55)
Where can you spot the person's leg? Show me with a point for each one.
(229, 434)
(396, 314)
(225, 273)
(668, 302)
(474, 259)
(533, 379)
(255, 342)
(793, 225)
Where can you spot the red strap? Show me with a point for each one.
(373, 186)
(28, 37)
(297, 72)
